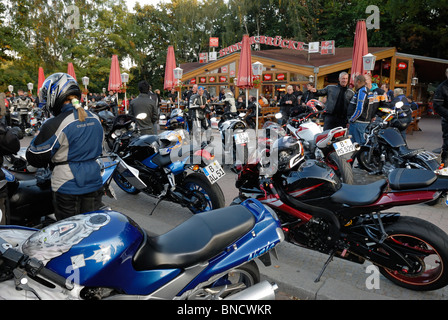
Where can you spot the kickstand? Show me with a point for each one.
(157, 203)
(330, 258)
(160, 198)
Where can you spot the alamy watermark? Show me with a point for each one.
(73, 19)
(373, 21)
(373, 280)
(228, 151)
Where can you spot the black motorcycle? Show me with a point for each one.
(102, 109)
(122, 132)
(320, 213)
(386, 149)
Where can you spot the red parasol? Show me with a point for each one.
(245, 75)
(360, 49)
(115, 75)
(169, 69)
(40, 79)
(71, 70)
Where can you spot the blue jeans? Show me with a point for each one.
(356, 130)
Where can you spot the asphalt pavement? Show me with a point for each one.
(297, 268)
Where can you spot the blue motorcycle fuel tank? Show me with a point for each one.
(393, 137)
(96, 250)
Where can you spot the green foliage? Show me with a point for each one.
(35, 33)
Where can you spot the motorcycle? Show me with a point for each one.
(37, 118)
(234, 139)
(176, 120)
(333, 146)
(17, 162)
(106, 255)
(30, 201)
(386, 149)
(102, 109)
(122, 132)
(320, 213)
(171, 170)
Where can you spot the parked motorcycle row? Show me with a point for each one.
(305, 195)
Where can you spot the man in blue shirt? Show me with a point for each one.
(359, 111)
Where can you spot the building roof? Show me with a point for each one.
(294, 57)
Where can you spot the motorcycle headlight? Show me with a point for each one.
(162, 117)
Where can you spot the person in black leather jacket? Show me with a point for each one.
(441, 107)
(338, 99)
(199, 109)
(146, 102)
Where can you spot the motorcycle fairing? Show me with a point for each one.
(107, 249)
(262, 238)
(96, 249)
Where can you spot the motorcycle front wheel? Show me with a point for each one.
(124, 184)
(210, 196)
(426, 246)
(370, 165)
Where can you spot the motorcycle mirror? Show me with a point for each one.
(399, 104)
(141, 116)
(278, 115)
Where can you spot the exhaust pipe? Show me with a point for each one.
(261, 291)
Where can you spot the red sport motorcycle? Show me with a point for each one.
(320, 213)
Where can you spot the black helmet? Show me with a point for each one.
(290, 152)
(55, 91)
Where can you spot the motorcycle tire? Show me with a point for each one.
(370, 166)
(212, 192)
(124, 184)
(423, 242)
(342, 168)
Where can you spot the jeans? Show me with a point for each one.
(356, 130)
(67, 205)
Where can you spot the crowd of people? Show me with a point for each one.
(348, 106)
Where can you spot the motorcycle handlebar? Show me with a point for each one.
(15, 259)
(56, 278)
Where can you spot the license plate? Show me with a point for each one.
(241, 138)
(162, 122)
(344, 147)
(213, 172)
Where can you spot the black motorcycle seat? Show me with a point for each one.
(162, 161)
(198, 239)
(359, 195)
(404, 179)
(407, 153)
